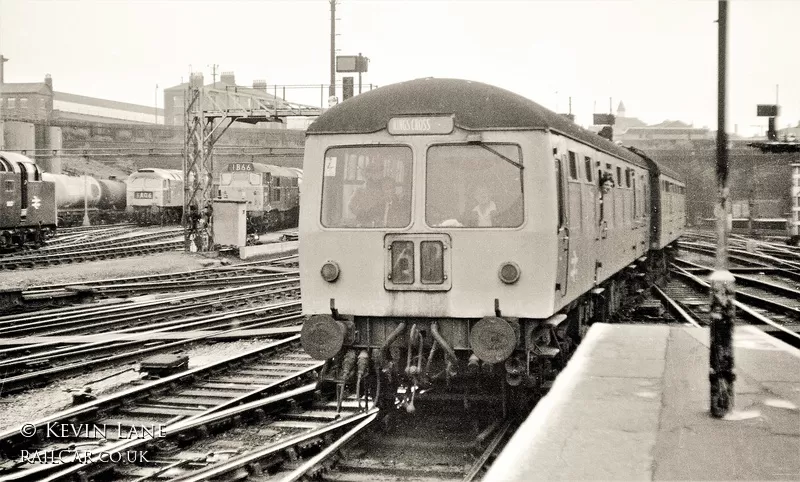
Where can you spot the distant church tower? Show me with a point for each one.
(621, 110)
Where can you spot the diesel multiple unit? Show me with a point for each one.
(450, 228)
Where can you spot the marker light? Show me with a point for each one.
(509, 272)
(330, 271)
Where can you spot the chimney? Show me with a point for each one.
(260, 84)
(227, 78)
(48, 81)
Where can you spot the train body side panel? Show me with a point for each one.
(607, 231)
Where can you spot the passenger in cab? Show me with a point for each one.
(482, 215)
(375, 204)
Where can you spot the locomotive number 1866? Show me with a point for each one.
(240, 167)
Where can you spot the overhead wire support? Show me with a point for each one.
(723, 311)
(210, 112)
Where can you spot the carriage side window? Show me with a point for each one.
(9, 186)
(588, 167)
(619, 176)
(627, 178)
(474, 186)
(573, 166)
(366, 187)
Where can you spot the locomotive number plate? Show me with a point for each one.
(143, 195)
(241, 167)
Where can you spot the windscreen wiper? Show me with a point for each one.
(500, 155)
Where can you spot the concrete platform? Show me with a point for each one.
(246, 252)
(633, 404)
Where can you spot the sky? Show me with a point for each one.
(657, 56)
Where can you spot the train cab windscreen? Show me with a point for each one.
(474, 186)
(367, 187)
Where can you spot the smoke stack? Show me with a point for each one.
(260, 84)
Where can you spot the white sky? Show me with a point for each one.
(659, 57)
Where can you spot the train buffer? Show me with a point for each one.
(633, 404)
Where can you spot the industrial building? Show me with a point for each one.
(39, 102)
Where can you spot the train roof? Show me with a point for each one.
(17, 157)
(275, 170)
(474, 105)
(656, 166)
(162, 173)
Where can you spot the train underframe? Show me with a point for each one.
(156, 215)
(259, 222)
(68, 218)
(515, 359)
(34, 236)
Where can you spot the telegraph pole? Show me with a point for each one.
(332, 88)
(723, 312)
(214, 75)
(155, 106)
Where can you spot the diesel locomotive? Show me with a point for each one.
(272, 193)
(27, 202)
(452, 230)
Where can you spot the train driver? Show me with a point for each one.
(375, 204)
(482, 215)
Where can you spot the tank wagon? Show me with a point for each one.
(272, 194)
(155, 196)
(104, 199)
(451, 230)
(27, 202)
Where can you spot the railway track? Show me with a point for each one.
(445, 439)
(154, 409)
(118, 316)
(113, 242)
(83, 255)
(761, 304)
(58, 295)
(37, 366)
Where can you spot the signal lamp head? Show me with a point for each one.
(330, 271)
(509, 272)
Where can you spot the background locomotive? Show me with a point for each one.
(272, 193)
(506, 231)
(155, 196)
(27, 203)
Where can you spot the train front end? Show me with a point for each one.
(427, 245)
(155, 196)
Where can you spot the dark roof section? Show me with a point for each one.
(475, 106)
(655, 166)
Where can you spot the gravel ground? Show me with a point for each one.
(170, 262)
(33, 405)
